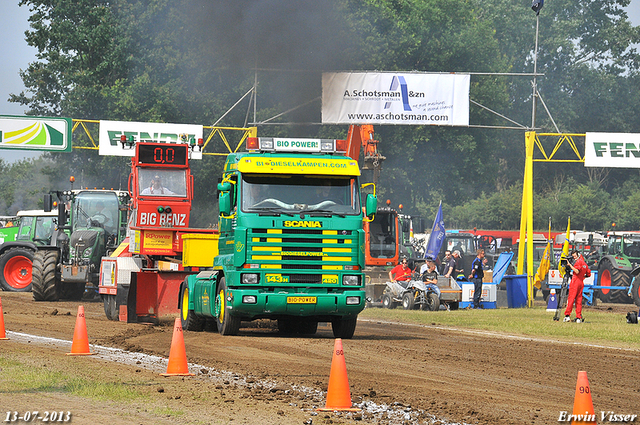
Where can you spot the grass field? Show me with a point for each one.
(603, 328)
(20, 377)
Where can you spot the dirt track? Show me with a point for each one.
(456, 375)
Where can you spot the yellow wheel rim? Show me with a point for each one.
(185, 304)
(221, 317)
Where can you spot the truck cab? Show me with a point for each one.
(291, 244)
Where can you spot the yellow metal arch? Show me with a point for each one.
(526, 218)
(222, 132)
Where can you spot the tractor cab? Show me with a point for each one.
(36, 226)
(95, 225)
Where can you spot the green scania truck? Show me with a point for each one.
(290, 245)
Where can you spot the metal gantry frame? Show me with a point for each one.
(533, 140)
(223, 134)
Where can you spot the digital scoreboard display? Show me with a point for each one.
(165, 154)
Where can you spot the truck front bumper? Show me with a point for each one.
(257, 303)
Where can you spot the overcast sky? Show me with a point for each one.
(16, 55)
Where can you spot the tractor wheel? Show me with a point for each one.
(620, 278)
(44, 284)
(16, 266)
(110, 307)
(387, 301)
(408, 302)
(188, 318)
(635, 291)
(344, 327)
(604, 279)
(433, 302)
(227, 323)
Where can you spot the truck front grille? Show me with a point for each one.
(302, 256)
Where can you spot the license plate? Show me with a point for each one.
(301, 300)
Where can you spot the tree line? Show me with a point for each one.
(190, 60)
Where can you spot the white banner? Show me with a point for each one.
(110, 132)
(35, 133)
(618, 150)
(395, 98)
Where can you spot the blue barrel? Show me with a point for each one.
(516, 290)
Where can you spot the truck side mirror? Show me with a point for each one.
(371, 206)
(48, 202)
(224, 202)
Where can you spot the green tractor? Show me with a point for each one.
(36, 228)
(621, 256)
(93, 223)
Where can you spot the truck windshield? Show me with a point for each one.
(162, 182)
(296, 193)
(95, 209)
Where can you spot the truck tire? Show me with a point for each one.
(408, 302)
(344, 327)
(228, 324)
(635, 291)
(44, 283)
(387, 301)
(188, 318)
(16, 266)
(110, 307)
(433, 302)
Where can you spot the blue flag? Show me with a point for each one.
(536, 5)
(437, 236)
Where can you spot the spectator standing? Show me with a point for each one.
(476, 276)
(449, 265)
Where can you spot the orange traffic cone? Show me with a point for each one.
(80, 344)
(338, 394)
(583, 405)
(177, 356)
(3, 334)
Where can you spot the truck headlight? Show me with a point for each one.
(87, 253)
(249, 299)
(351, 280)
(250, 278)
(353, 300)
